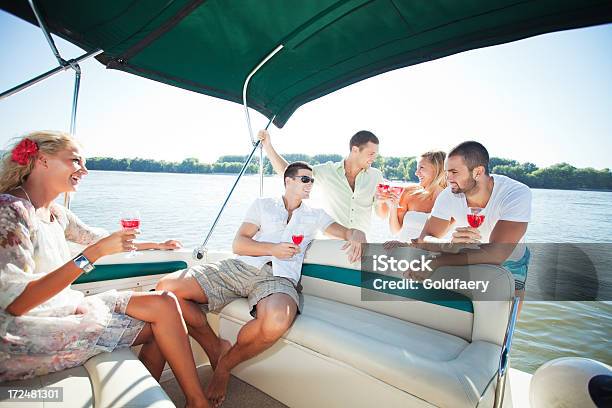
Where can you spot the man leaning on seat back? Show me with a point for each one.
(505, 204)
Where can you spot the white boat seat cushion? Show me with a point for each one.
(119, 379)
(76, 389)
(437, 367)
(116, 379)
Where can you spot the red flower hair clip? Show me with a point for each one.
(24, 150)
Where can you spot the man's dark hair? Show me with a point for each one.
(474, 154)
(293, 168)
(361, 138)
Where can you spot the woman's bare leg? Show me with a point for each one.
(150, 355)
(162, 311)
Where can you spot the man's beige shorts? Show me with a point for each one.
(231, 279)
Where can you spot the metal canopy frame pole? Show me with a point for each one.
(246, 85)
(248, 117)
(199, 252)
(63, 65)
(261, 170)
(45, 31)
(48, 74)
(75, 101)
(261, 161)
(504, 360)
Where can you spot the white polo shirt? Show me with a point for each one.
(270, 215)
(510, 201)
(353, 209)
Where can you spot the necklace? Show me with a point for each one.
(51, 216)
(26, 193)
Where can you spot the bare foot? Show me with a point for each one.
(217, 388)
(221, 349)
(200, 403)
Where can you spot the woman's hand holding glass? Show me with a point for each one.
(119, 241)
(395, 191)
(394, 200)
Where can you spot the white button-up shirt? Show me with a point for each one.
(353, 209)
(270, 215)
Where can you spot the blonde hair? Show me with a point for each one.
(13, 174)
(436, 158)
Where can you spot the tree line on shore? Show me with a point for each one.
(557, 176)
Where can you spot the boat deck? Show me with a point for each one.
(241, 394)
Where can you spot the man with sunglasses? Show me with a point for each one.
(267, 272)
(348, 186)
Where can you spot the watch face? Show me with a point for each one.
(83, 263)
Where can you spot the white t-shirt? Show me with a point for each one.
(270, 215)
(510, 201)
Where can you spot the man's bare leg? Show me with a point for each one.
(189, 294)
(275, 314)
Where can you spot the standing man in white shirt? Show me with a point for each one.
(349, 186)
(266, 272)
(505, 204)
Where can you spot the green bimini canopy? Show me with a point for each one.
(211, 46)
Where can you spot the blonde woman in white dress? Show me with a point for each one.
(409, 211)
(45, 326)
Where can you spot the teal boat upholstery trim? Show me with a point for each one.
(122, 271)
(365, 280)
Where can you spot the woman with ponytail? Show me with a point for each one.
(408, 212)
(45, 326)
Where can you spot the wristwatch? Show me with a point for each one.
(83, 263)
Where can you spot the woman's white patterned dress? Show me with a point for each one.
(69, 328)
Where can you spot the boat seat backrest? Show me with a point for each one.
(471, 314)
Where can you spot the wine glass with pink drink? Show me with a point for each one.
(297, 239)
(130, 219)
(475, 217)
(397, 190)
(383, 186)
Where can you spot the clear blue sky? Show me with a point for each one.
(546, 99)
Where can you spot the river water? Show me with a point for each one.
(184, 206)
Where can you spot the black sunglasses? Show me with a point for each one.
(305, 179)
